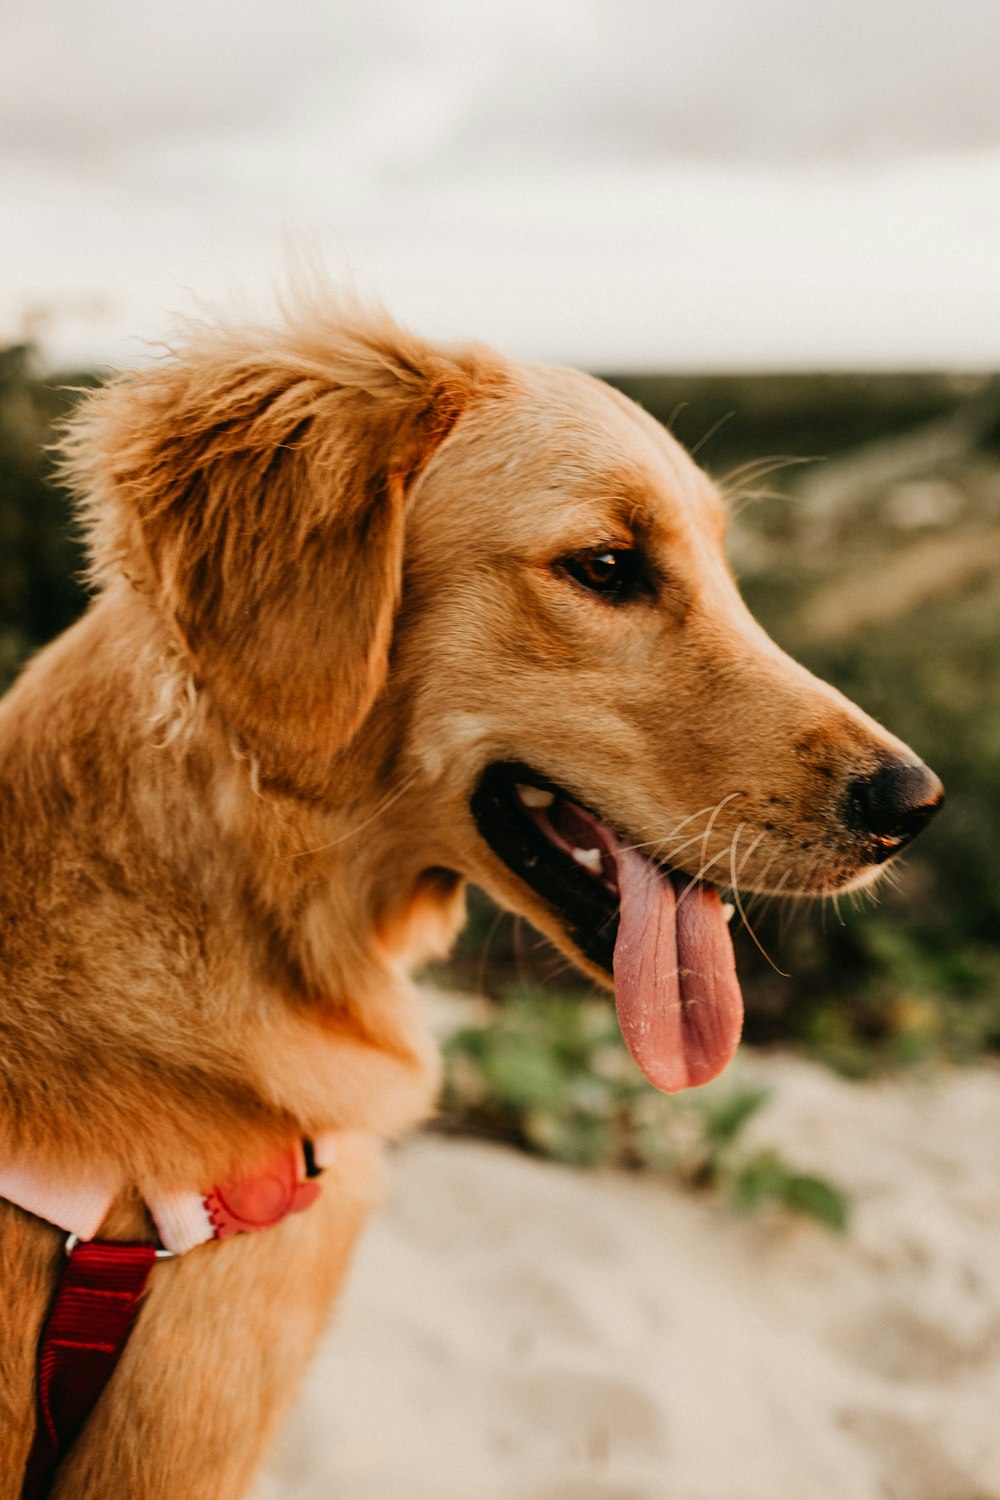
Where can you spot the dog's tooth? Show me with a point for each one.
(589, 858)
(728, 910)
(535, 796)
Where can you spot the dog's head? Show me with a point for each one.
(499, 593)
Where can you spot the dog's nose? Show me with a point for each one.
(895, 802)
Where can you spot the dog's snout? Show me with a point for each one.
(895, 802)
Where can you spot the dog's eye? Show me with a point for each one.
(612, 572)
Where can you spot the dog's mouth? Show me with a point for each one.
(661, 935)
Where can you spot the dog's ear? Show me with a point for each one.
(258, 488)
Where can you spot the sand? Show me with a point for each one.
(515, 1330)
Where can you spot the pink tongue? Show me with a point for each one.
(679, 1001)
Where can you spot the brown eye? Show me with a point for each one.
(611, 572)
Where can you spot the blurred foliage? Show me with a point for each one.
(876, 560)
(39, 559)
(551, 1074)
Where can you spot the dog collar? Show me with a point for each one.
(283, 1185)
(101, 1282)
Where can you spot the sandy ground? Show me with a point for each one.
(515, 1330)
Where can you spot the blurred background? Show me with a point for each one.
(776, 228)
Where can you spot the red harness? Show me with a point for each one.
(100, 1287)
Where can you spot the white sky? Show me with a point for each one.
(617, 183)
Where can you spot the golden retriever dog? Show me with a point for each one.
(373, 617)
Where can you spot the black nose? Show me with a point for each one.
(895, 803)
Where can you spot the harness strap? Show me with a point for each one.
(95, 1306)
(102, 1282)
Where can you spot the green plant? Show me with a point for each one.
(550, 1073)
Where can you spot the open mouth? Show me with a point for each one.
(662, 936)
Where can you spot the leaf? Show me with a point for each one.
(765, 1178)
(817, 1198)
(523, 1074)
(756, 1180)
(726, 1117)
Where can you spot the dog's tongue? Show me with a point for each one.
(678, 997)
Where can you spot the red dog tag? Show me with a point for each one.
(263, 1200)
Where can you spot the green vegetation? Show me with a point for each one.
(39, 559)
(551, 1073)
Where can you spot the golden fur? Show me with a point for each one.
(235, 802)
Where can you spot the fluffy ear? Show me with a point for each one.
(257, 485)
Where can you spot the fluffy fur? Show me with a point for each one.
(234, 802)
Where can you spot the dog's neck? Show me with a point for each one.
(299, 844)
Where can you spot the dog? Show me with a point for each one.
(373, 617)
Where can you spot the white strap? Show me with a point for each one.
(78, 1207)
(181, 1220)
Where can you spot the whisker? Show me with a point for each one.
(711, 821)
(790, 907)
(737, 501)
(760, 901)
(739, 903)
(484, 954)
(665, 850)
(759, 468)
(770, 898)
(710, 433)
(670, 855)
(377, 812)
(662, 842)
(758, 840)
(701, 873)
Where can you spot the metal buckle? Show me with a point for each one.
(159, 1253)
